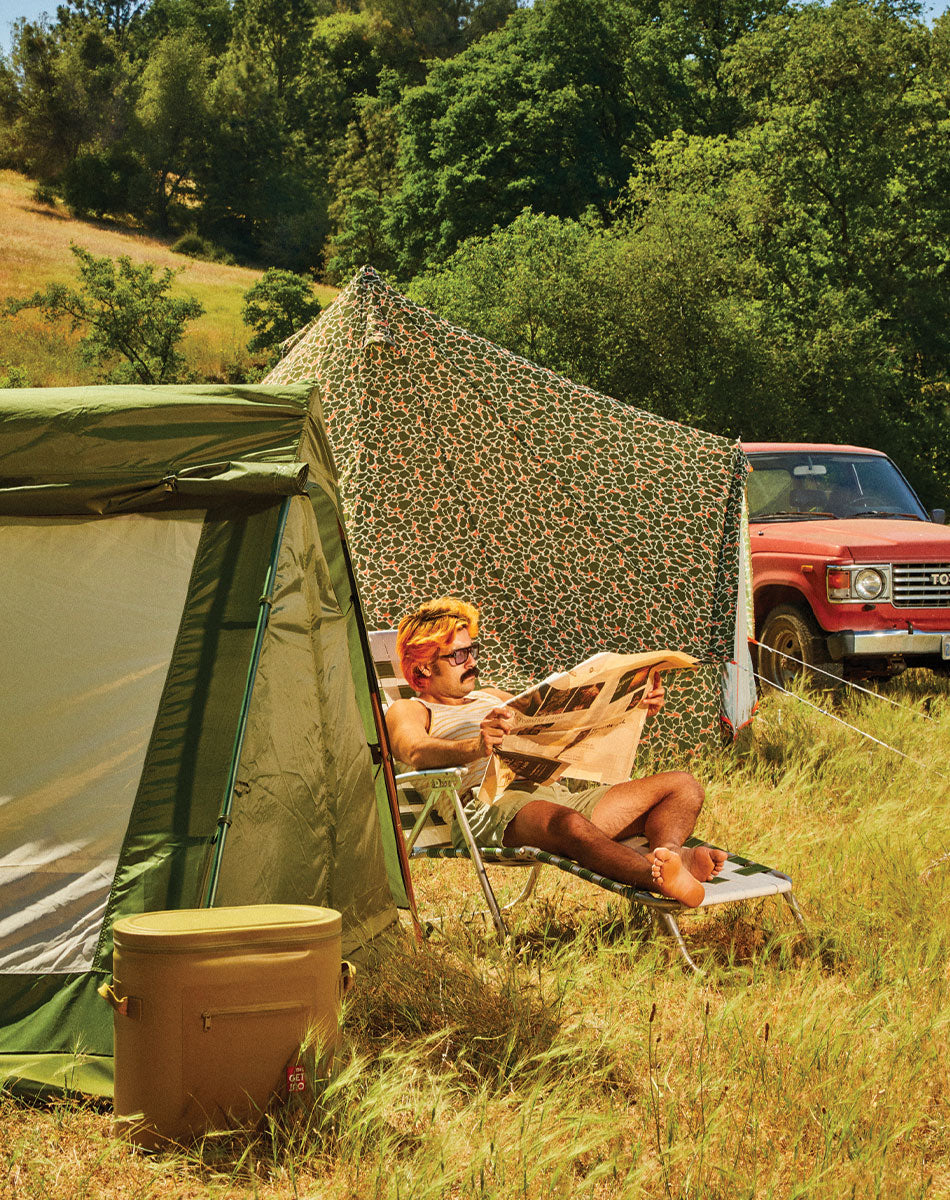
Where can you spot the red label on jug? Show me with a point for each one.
(296, 1079)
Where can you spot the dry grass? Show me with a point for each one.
(34, 251)
(587, 1063)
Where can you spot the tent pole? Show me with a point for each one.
(263, 615)
(389, 777)
(390, 781)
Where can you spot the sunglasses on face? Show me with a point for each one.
(462, 654)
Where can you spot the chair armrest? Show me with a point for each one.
(442, 777)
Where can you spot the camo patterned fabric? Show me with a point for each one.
(574, 522)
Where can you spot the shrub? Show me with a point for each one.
(192, 244)
(12, 376)
(275, 307)
(131, 325)
(195, 246)
(44, 194)
(104, 181)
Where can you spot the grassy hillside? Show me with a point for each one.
(586, 1063)
(34, 251)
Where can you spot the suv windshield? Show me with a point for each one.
(795, 485)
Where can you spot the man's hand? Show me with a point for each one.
(493, 728)
(655, 697)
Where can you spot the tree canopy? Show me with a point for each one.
(732, 212)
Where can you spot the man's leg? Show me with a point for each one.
(662, 808)
(561, 830)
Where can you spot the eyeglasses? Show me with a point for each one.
(462, 654)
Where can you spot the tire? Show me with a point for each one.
(793, 632)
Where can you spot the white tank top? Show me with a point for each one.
(456, 722)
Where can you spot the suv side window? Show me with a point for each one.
(769, 490)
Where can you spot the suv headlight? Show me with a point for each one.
(868, 584)
(858, 583)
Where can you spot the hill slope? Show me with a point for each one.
(34, 250)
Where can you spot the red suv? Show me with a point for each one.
(848, 567)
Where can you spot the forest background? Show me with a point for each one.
(730, 212)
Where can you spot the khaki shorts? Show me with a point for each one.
(488, 822)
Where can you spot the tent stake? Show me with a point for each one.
(263, 615)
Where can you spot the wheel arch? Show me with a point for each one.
(772, 595)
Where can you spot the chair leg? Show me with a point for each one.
(526, 890)
(789, 898)
(501, 929)
(420, 822)
(669, 923)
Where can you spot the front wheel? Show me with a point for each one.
(790, 642)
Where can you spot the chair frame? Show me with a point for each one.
(663, 911)
(744, 878)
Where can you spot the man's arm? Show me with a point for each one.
(413, 745)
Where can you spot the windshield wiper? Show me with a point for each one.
(883, 512)
(797, 516)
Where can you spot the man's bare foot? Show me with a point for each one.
(719, 859)
(705, 862)
(672, 878)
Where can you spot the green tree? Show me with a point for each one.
(362, 180)
(173, 119)
(275, 33)
(409, 34)
(262, 186)
(835, 196)
(105, 181)
(375, 50)
(521, 286)
(788, 281)
(537, 115)
(67, 88)
(131, 326)
(341, 65)
(263, 175)
(206, 21)
(276, 307)
(116, 15)
(678, 54)
(653, 317)
(554, 110)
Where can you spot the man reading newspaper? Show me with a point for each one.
(451, 722)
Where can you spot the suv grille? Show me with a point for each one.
(922, 585)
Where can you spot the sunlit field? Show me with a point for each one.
(34, 251)
(584, 1060)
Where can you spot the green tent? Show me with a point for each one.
(576, 523)
(186, 714)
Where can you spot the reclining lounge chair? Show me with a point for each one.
(427, 836)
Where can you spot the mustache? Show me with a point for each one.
(472, 674)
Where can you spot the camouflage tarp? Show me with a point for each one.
(576, 523)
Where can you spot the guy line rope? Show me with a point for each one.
(837, 678)
(910, 758)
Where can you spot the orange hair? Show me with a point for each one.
(429, 631)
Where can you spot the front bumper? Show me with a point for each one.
(879, 643)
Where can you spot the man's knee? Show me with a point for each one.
(570, 828)
(687, 789)
(546, 824)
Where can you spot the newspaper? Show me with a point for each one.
(579, 724)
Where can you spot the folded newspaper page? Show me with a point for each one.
(579, 724)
